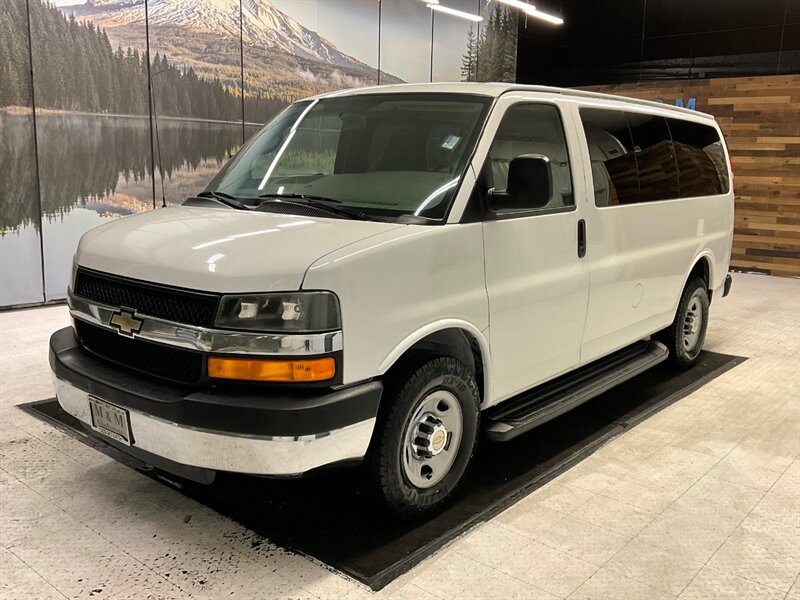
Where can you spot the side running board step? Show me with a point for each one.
(549, 400)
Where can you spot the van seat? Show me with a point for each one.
(505, 150)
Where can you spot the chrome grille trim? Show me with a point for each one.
(209, 340)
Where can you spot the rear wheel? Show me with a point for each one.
(687, 334)
(426, 436)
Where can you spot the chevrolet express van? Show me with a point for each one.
(382, 273)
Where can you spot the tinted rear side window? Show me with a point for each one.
(702, 167)
(613, 159)
(655, 157)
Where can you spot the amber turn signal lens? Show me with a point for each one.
(259, 369)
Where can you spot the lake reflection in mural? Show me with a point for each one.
(95, 168)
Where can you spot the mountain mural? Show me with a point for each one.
(94, 150)
(283, 58)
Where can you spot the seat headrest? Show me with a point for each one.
(403, 153)
(508, 149)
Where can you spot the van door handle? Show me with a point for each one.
(581, 238)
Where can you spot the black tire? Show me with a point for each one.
(406, 393)
(684, 348)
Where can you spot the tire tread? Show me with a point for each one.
(672, 336)
(402, 388)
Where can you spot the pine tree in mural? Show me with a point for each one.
(508, 61)
(493, 55)
(469, 63)
(14, 77)
(76, 69)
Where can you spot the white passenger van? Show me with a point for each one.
(380, 273)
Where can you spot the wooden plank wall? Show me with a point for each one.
(760, 117)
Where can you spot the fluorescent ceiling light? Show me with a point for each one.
(455, 13)
(519, 4)
(546, 17)
(530, 10)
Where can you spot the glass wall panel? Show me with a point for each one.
(455, 43)
(279, 69)
(108, 124)
(352, 26)
(306, 47)
(20, 257)
(93, 138)
(196, 86)
(406, 40)
(497, 45)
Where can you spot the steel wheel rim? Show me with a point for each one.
(692, 322)
(432, 439)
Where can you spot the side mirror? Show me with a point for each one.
(530, 184)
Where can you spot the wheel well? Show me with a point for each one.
(702, 269)
(453, 342)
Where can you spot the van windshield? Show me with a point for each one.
(385, 155)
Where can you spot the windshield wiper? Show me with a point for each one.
(321, 202)
(296, 196)
(225, 199)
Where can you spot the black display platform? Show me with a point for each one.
(329, 515)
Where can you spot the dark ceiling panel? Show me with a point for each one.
(714, 43)
(665, 17)
(670, 17)
(790, 55)
(589, 21)
(793, 12)
(601, 40)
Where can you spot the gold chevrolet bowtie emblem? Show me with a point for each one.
(126, 322)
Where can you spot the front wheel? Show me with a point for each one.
(426, 437)
(687, 334)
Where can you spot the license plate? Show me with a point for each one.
(110, 420)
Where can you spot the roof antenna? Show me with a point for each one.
(158, 143)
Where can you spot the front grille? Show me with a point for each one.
(191, 308)
(154, 359)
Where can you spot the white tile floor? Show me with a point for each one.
(700, 501)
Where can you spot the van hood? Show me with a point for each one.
(218, 250)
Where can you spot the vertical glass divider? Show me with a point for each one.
(36, 150)
(150, 101)
(241, 62)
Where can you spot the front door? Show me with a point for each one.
(536, 280)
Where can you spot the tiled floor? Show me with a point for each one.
(700, 501)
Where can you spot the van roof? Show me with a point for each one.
(494, 90)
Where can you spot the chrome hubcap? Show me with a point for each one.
(692, 322)
(432, 439)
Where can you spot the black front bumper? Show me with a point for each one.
(230, 409)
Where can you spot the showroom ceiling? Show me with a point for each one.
(632, 40)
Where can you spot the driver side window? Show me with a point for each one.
(532, 129)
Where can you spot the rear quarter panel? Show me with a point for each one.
(644, 252)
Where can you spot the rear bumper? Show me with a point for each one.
(279, 433)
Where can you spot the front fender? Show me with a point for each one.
(402, 285)
(483, 344)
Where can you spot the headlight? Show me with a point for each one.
(301, 312)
